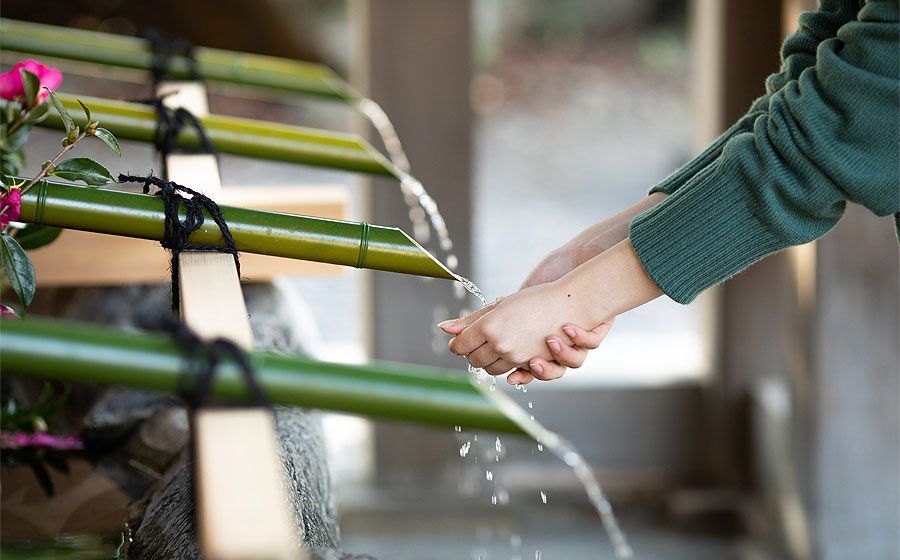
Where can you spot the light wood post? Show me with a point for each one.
(241, 508)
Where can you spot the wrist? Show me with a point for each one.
(609, 284)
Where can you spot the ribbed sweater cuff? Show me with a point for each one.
(699, 236)
(689, 170)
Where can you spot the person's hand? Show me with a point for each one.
(564, 356)
(555, 265)
(508, 333)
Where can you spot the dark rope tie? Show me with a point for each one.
(177, 231)
(203, 359)
(164, 48)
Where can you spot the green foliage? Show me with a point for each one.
(34, 236)
(10, 163)
(9, 111)
(87, 112)
(108, 139)
(32, 86)
(14, 142)
(31, 419)
(38, 114)
(63, 113)
(6, 182)
(83, 169)
(18, 269)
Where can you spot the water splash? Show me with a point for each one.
(472, 289)
(567, 452)
(464, 450)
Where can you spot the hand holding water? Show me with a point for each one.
(524, 331)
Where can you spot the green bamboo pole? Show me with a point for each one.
(254, 231)
(264, 72)
(238, 136)
(79, 352)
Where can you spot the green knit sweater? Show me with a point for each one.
(826, 132)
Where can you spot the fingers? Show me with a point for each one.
(588, 339)
(544, 370)
(483, 356)
(499, 367)
(568, 356)
(520, 377)
(456, 326)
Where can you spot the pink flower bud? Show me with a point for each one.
(12, 199)
(11, 82)
(7, 312)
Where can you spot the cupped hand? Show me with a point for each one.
(564, 356)
(512, 330)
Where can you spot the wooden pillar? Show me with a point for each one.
(413, 59)
(736, 46)
(821, 321)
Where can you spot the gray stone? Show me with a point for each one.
(150, 430)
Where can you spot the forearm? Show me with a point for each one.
(603, 235)
(606, 285)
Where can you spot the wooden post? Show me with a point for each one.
(241, 509)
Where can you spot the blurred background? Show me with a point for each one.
(760, 422)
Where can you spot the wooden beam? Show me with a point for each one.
(240, 504)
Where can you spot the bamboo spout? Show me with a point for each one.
(267, 72)
(78, 352)
(128, 214)
(237, 136)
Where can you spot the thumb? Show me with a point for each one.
(456, 326)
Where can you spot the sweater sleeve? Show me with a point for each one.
(797, 53)
(831, 136)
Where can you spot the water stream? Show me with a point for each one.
(423, 210)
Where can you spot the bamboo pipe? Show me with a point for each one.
(234, 135)
(78, 352)
(255, 231)
(265, 72)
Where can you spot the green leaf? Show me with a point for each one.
(34, 236)
(83, 169)
(63, 113)
(43, 478)
(6, 182)
(9, 111)
(15, 141)
(18, 269)
(31, 84)
(109, 140)
(11, 163)
(38, 113)
(87, 112)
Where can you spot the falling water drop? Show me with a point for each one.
(530, 404)
(538, 555)
(498, 446)
(543, 496)
(464, 450)
(457, 429)
(494, 499)
(488, 475)
(540, 447)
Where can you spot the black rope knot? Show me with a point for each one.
(203, 358)
(163, 48)
(178, 231)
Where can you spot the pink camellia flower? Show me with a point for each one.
(11, 82)
(12, 202)
(15, 440)
(7, 312)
